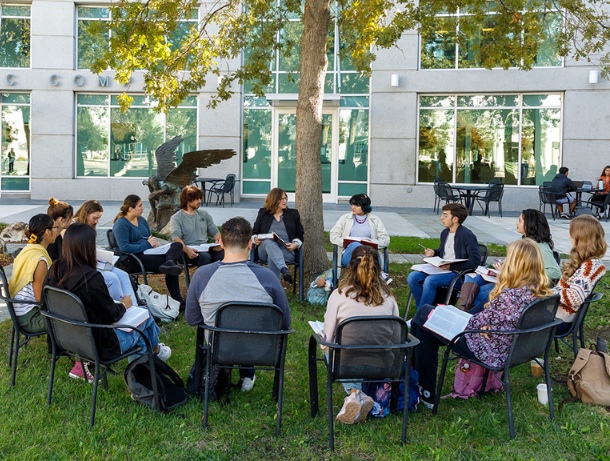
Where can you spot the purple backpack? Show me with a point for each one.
(469, 380)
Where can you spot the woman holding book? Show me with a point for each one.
(360, 223)
(521, 280)
(118, 281)
(531, 224)
(275, 217)
(132, 235)
(76, 271)
(584, 269)
(362, 292)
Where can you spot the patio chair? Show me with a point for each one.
(72, 335)
(246, 335)
(600, 208)
(532, 338)
(371, 348)
(17, 330)
(444, 192)
(297, 264)
(577, 327)
(547, 197)
(220, 188)
(493, 194)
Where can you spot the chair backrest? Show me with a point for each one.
(494, 193)
(3, 284)
(77, 339)
(111, 240)
(528, 346)
(5, 296)
(369, 359)
(484, 253)
(258, 342)
(444, 190)
(547, 195)
(229, 183)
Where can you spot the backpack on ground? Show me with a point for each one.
(219, 376)
(469, 380)
(169, 385)
(589, 377)
(162, 307)
(389, 397)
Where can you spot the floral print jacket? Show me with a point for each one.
(502, 313)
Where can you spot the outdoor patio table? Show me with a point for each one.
(469, 192)
(203, 181)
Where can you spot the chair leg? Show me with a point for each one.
(10, 351)
(329, 395)
(439, 386)
(51, 377)
(96, 379)
(15, 358)
(405, 409)
(549, 390)
(509, 405)
(408, 305)
(313, 378)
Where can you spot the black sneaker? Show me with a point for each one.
(170, 268)
(287, 276)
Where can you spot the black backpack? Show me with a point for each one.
(169, 385)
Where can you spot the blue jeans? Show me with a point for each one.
(119, 284)
(275, 255)
(423, 286)
(131, 339)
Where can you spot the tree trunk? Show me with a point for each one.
(309, 132)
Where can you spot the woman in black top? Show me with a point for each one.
(275, 216)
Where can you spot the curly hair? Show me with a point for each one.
(363, 278)
(188, 194)
(536, 227)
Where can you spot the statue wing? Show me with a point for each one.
(186, 172)
(166, 157)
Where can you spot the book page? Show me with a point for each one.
(160, 250)
(489, 275)
(317, 327)
(134, 316)
(106, 256)
(447, 321)
(204, 247)
(429, 269)
(438, 261)
(365, 241)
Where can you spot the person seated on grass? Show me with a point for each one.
(29, 270)
(457, 242)
(521, 280)
(76, 271)
(234, 279)
(584, 269)
(562, 186)
(360, 293)
(132, 235)
(118, 281)
(191, 225)
(532, 224)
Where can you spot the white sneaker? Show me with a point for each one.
(247, 384)
(350, 410)
(366, 404)
(386, 277)
(165, 352)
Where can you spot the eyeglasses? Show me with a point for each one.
(284, 198)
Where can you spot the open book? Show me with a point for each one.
(363, 240)
(317, 327)
(438, 261)
(204, 247)
(272, 236)
(160, 250)
(429, 269)
(134, 316)
(447, 321)
(489, 275)
(105, 259)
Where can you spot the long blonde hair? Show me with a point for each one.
(364, 278)
(589, 242)
(524, 266)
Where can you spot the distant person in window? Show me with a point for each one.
(359, 223)
(562, 186)
(191, 225)
(275, 216)
(11, 161)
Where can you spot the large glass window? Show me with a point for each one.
(114, 144)
(476, 138)
(440, 48)
(90, 46)
(14, 36)
(353, 146)
(15, 141)
(257, 146)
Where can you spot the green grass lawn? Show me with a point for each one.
(244, 430)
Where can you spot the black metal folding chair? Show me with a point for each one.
(297, 264)
(577, 328)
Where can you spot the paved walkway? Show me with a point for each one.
(416, 222)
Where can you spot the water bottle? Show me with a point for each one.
(600, 185)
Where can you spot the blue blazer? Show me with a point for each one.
(466, 247)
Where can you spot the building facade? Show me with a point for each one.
(427, 111)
